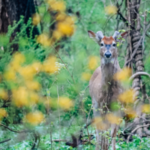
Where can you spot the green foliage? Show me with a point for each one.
(73, 55)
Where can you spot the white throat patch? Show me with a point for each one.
(107, 60)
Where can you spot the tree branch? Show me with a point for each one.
(14, 130)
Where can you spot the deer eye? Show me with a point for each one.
(102, 44)
(114, 44)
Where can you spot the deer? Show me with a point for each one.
(103, 88)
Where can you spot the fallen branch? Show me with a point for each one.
(139, 73)
(135, 130)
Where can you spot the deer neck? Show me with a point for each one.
(108, 69)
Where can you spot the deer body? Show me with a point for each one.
(103, 88)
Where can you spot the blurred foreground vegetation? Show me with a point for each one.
(44, 92)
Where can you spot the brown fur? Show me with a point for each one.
(108, 40)
(104, 89)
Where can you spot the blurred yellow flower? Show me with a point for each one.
(65, 103)
(86, 76)
(49, 65)
(111, 10)
(123, 75)
(113, 119)
(20, 97)
(130, 113)
(37, 66)
(127, 97)
(70, 20)
(146, 108)
(57, 6)
(34, 118)
(93, 62)
(32, 85)
(98, 122)
(51, 1)
(9, 75)
(36, 19)
(57, 34)
(3, 113)
(60, 16)
(33, 97)
(65, 28)
(27, 72)
(44, 40)
(3, 94)
(17, 60)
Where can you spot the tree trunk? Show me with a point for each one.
(11, 10)
(135, 49)
(135, 59)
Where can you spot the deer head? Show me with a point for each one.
(108, 48)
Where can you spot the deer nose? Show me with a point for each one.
(108, 54)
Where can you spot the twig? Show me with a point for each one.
(5, 141)
(136, 129)
(59, 140)
(36, 142)
(67, 68)
(14, 130)
(58, 111)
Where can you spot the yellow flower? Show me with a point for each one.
(3, 113)
(113, 119)
(70, 20)
(20, 97)
(98, 122)
(10, 75)
(146, 108)
(123, 75)
(27, 72)
(86, 76)
(37, 66)
(60, 16)
(32, 85)
(51, 1)
(49, 65)
(36, 19)
(127, 96)
(57, 34)
(130, 113)
(34, 118)
(3, 94)
(93, 62)
(33, 97)
(65, 28)
(65, 103)
(44, 40)
(58, 6)
(17, 60)
(111, 10)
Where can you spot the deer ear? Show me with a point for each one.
(99, 36)
(91, 34)
(124, 34)
(116, 35)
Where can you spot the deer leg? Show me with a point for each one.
(114, 129)
(96, 108)
(101, 140)
(96, 113)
